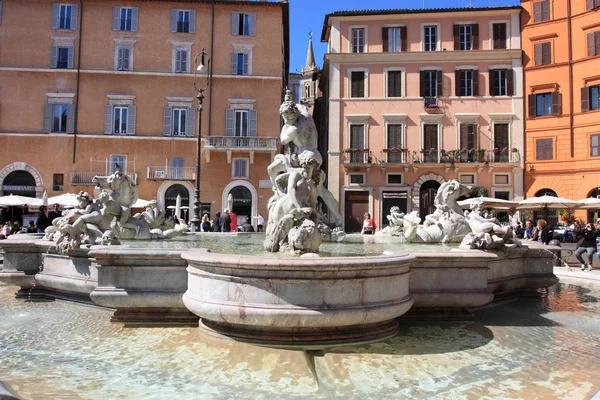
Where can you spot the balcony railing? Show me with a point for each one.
(171, 173)
(396, 155)
(85, 178)
(237, 142)
(433, 156)
(430, 102)
(358, 156)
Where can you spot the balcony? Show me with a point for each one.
(431, 104)
(85, 178)
(229, 144)
(395, 155)
(164, 173)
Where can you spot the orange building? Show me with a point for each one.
(87, 84)
(561, 45)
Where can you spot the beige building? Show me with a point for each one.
(85, 85)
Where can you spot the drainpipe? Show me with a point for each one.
(210, 66)
(77, 83)
(570, 55)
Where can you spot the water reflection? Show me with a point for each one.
(527, 349)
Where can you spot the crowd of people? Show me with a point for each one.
(222, 223)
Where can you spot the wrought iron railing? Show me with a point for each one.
(171, 173)
(358, 156)
(85, 178)
(241, 142)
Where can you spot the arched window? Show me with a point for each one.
(19, 183)
(545, 192)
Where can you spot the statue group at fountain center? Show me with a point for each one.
(302, 211)
(448, 223)
(108, 218)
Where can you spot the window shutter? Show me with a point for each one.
(475, 36)
(422, 84)
(385, 39)
(537, 12)
(495, 36)
(71, 118)
(70, 57)
(597, 41)
(116, 22)
(510, 84)
(234, 57)
(55, 16)
(546, 10)
(591, 46)
(168, 112)
(53, 56)
(475, 75)
(556, 103)
(546, 53)
(235, 20)
(531, 104)
(456, 33)
(403, 41)
(0, 11)
(229, 121)
(74, 14)
(492, 82)
(108, 119)
(464, 136)
(440, 84)
(394, 136)
(457, 83)
(539, 149)
(191, 121)
(131, 120)
(246, 63)
(126, 59)
(184, 63)
(475, 136)
(252, 117)
(134, 19)
(585, 99)
(596, 3)
(589, 4)
(502, 36)
(394, 84)
(192, 21)
(48, 109)
(120, 59)
(252, 17)
(173, 24)
(537, 54)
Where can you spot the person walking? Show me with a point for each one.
(260, 221)
(369, 226)
(225, 221)
(55, 213)
(42, 221)
(588, 245)
(205, 225)
(216, 226)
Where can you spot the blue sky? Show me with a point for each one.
(310, 14)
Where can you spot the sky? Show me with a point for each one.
(306, 15)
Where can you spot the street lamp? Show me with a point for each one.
(202, 68)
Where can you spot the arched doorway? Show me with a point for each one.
(171, 199)
(427, 194)
(242, 204)
(20, 183)
(550, 215)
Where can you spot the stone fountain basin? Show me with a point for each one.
(291, 301)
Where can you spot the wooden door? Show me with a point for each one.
(356, 205)
(426, 197)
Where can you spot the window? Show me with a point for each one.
(394, 179)
(125, 19)
(177, 168)
(120, 160)
(501, 143)
(466, 37)
(544, 104)
(358, 40)
(240, 63)
(63, 58)
(179, 117)
(593, 43)
(591, 4)
(502, 195)
(357, 84)
(240, 122)
(501, 179)
(430, 37)
(467, 83)
(394, 144)
(590, 98)
(543, 149)
(357, 141)
(394, 83)
(59, 117)
(243, 24)
(123, 58)
(468, 140)
(466, 179)
(499, 36)
(179, 122)
(542, 53)
(120, 115)
(183, 21)
(501, 82)
(307, 90)
(58, 182)
(240, 168)
(541, 11)
(357, 179)
(394, 39)
(120, 119)
(431, 84)
(181, 61)
(64, 16)
(595, 145)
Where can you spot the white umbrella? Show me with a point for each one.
(65, 199)
(488, 202)
(16, 201)
(178, 206)
(45, 199)
(591, 203)
(140, 203)
(534, 203)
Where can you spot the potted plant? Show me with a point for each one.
(481, 155)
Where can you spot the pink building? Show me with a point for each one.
(418, 97)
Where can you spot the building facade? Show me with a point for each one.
(561, 45)
(87, 85)
(415, 98)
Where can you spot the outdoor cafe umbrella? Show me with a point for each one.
(535, 203)
(140, 203)
(19, 201)
(488, 202)
(65, 199)
(591, 203)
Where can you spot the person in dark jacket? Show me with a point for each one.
(542, 233)
(246, 227)
(216, 226)
(225, 221)
(42, 221)
(588, 245)
(55, 213)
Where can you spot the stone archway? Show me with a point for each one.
(21, 166)
(162, 190)
(430, 176)
(253, 194)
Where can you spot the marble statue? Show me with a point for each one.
(486, 233)
(295, 210)
(108, 218)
